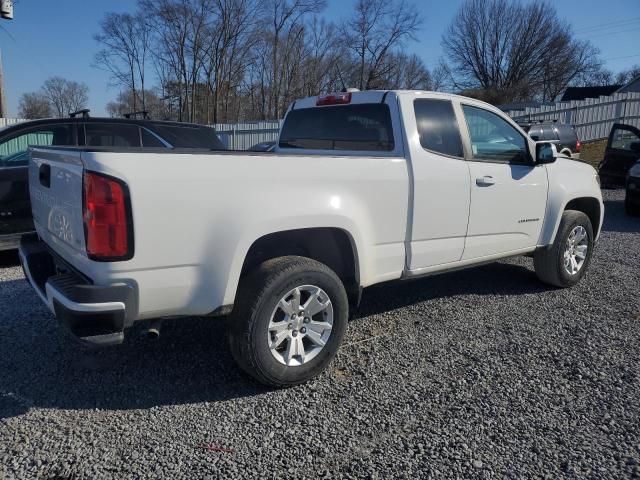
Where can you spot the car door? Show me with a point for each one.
(440, 208)
(508, 192)
(623, 150)
(15, 207)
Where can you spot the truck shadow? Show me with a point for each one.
(9, 258)
(505, 279)
(42, 367)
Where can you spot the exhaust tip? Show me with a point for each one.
(153, 332)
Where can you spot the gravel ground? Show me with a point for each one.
(481, 373)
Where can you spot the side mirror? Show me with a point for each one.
(535, 138)
(546, 152)
(635, 147)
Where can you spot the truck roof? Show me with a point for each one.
(376, 96)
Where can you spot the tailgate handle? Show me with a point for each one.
(44, 174)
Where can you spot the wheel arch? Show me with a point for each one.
(566, 151)
(590, 206)
(332, 246)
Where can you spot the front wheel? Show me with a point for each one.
(565, 262)
(289, 319)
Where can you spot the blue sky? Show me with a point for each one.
(48, 38)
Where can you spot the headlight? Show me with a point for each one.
(598, 179)
(635, 170)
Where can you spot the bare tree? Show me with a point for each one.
(282, 23)
(179, 29)
(375, 29)
(323, 59)
(65, 96)
(76, 96)
(229, 60)
(227, 51)
(626, 76)
(125, 40)
(596, 78)
(405, 72)
(34, 105)
(156, 108)
(514, 51)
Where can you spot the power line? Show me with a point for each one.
(609, 25)
(605, 34)
(619, 58)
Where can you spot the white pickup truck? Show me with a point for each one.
(363, 188)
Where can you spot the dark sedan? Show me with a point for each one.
(15, 207)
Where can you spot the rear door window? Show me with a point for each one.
(150, 140)
(189, 136)
(356, 127)
(14, 150)
(548, 133)
(437, 127)
(112, 135)
(567, 134)
(535, 132)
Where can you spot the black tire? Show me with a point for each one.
(630, 208)
(549, 261)
(566, 152)
(258, 295)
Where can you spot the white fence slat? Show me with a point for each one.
(592, 117)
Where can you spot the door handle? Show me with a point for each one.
(44, 175)
(485, 181)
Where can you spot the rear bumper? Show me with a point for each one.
(94, 314)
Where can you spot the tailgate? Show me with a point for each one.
(56, 191)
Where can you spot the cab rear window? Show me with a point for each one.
(365, 127)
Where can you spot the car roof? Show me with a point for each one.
(132, 121)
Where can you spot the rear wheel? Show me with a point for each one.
(289, 320)
(565, 262)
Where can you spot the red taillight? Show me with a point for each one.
(106, 218)
(334, 99)
(578, 146)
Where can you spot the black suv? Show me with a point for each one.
(564, 135)
(15, 207)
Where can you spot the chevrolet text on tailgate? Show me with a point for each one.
(364, 187)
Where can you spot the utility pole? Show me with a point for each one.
(6, 13)
(3, 103)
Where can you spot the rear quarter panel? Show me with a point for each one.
(196, 216)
